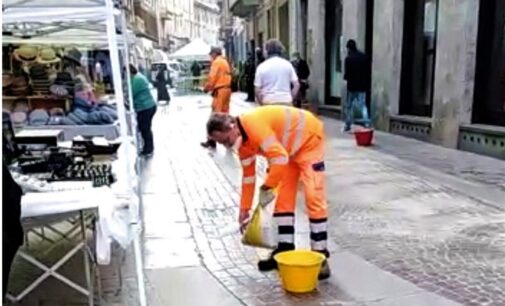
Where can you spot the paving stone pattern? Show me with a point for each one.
(432, 233)
(210, 200)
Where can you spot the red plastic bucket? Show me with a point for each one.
(363, 137)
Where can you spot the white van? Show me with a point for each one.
(174, 68)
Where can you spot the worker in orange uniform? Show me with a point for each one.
(219, 83)
(292, 140)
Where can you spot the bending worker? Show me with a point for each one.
(219, 83)
(293, 142)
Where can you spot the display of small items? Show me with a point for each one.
(100, 174)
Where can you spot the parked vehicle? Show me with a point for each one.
(174, 68)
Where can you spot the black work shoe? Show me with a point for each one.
(325, 271)
(270, 264)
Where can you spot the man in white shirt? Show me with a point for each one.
(276, 81)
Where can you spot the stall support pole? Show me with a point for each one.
(126, 50)
(116, 73)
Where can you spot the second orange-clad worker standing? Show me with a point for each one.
(292, 140)
(219, 84)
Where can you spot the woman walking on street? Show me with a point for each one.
(145, 107)
(161, 85)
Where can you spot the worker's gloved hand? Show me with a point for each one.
(243, 220)
(266, 196)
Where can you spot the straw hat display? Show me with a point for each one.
(59, 90)
(6, 80)
(21, 105)
(40, 79)
(19, 118)
(65, 80)
(47, 56)
(25, 54)
(19, 86)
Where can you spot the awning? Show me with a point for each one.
(195, 50)
(69, 22)
(243, 8)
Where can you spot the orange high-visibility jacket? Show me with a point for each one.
(219, 75)
(279, 133)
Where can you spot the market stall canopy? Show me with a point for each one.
(195, 50)
(159, 56)
(69, 22)
(52, 10)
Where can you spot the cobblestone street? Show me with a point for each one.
(410, 224)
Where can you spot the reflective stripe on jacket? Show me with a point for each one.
(279, 133)
(219, 75)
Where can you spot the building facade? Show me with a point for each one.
(141, 18)
(184, 20)
(206, 14)
(438, 66)
(233, 33)
(176, 23)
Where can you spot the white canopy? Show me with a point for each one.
(195, 50)
(92, 36)
(69, 22)
(159, 56)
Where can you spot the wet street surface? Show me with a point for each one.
(410, 223)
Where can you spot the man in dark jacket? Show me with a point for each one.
(357, 75)
(303, 71)
(250, 71)
(260, 57)
(196, 70)
(12, 231)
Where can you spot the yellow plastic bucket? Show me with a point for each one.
(299, 270)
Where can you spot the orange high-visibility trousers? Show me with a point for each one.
(221, 100)
(308, 167)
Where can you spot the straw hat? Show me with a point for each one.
(19, 118)
(25, 54)
(47, 56)
(6, 80)
(19, 86)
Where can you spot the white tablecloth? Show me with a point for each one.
(115, 204)
(109, 131)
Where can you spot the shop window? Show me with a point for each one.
(489, 91)
(418, 58)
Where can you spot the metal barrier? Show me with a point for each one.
(189, 85)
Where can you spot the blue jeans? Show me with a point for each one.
(356, 99)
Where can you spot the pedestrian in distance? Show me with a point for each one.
(292, 140)
(303, 72)
(161, 85)
(219, 84)
(250, 71)
(196, 70)
(276, 81)
(357, 74)
(145, 107)
(260, 57)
